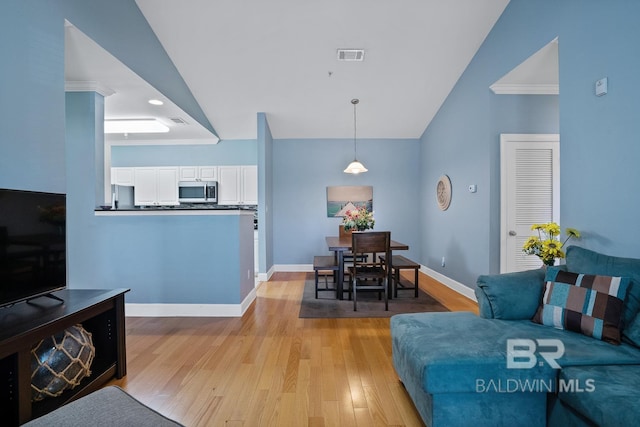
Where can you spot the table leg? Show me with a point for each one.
(396, 280)
(390, 286)
(340, 274)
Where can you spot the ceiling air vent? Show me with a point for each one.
(350, 54)
(178, 120)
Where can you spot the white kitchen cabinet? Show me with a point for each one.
(208, 173)
(122, 176)
(249, 185)
(146, 187)
(228, 185)
(188, 173)
(238, 185)
(155, 186)
(198, 173)
(167, 186)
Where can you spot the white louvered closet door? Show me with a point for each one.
(530, 193)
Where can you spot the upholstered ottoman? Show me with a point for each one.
(455, 367)
(598, 395)
(110, 406)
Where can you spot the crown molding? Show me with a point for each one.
(88, 86)
(525, 89)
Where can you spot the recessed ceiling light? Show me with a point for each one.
(155, 102)
(135, 126)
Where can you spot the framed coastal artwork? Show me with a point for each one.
(343, 198)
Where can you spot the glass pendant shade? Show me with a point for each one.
(355, 167)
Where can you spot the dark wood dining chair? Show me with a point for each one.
(365, 274)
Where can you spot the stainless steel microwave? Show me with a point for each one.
(198, 192)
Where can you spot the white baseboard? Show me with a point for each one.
(190, 310)
(264, 277)
(450, 283)
(237, 310)
(292, 268)
(246, 303)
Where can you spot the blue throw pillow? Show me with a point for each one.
(588, 304)
(591, 262)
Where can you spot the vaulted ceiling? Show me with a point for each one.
(280, 57)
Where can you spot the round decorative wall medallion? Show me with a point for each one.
(443, 192)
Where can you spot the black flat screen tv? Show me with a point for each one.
(32, 244)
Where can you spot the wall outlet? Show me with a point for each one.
(442, 263)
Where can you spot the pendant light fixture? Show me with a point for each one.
(355, 167)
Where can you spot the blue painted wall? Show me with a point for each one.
(48, 143)
(302, 170)
(265, 194)
(32, 81)
(599, 151)
(83, 111)
(598, 139)
(226, 152)
(32, 96)
(162, 259)
(170, 259)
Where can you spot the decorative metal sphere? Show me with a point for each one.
(60, 362)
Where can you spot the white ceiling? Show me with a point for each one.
(279, 57)
(89, 67)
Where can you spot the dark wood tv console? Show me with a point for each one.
(23, 325)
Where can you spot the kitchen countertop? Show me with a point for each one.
(183, 209)
(184, 206)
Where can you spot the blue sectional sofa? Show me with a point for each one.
(503, 369)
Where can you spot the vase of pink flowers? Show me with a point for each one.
(358, 219)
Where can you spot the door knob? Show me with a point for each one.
(512, 233)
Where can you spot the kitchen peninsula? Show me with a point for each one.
(190, 260)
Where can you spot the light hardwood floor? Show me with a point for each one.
(270, 368)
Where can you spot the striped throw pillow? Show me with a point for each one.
(588, 304)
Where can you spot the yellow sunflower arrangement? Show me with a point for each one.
(547, 245)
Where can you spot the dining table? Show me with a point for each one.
(341, 244)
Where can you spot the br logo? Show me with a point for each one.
(521, 353)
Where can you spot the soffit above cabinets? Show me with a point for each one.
(88, 67)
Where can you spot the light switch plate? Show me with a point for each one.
(601, 86)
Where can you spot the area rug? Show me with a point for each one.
(327, 306)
